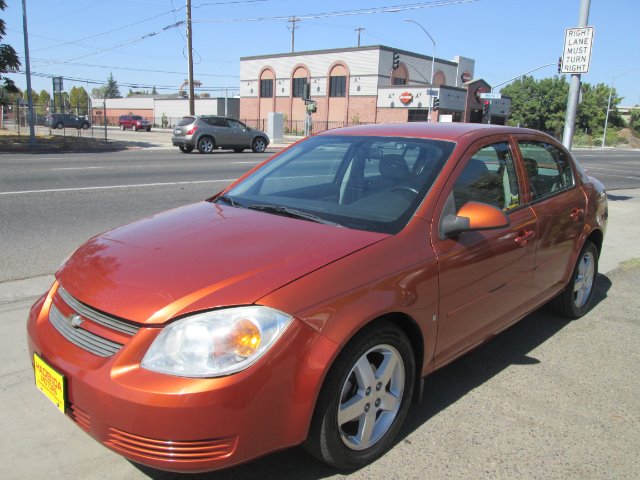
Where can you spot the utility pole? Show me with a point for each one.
(192, 106)
(574, 86)
(32, 133)
(359, 29)
(293, 21)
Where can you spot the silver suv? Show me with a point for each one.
(209, 132)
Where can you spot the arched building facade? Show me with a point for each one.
(351, 86)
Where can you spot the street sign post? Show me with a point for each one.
(576, 55)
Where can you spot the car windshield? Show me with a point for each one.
(366, 183)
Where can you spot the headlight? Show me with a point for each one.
(217, 343)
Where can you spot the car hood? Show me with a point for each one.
(200, 257)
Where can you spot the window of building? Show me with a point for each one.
(338, 86)
(400, 75)
(298, 87)
(266, 88)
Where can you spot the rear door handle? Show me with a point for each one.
(523, 238)
(576, 213)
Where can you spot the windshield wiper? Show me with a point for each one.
(290, 212)
(229, 201)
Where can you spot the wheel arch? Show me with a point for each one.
(597, 238)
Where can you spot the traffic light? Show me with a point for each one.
(559, 64)
(486, 106)
(396, 60)
(436, 103)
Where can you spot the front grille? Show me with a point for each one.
(178, 451)
(96, 316)
(80, 337)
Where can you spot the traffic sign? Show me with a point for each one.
(576, 55)
(490, 96)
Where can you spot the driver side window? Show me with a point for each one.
(489, 177)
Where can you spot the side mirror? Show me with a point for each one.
(472, 216)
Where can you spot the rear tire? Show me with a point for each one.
(85, 126)
(60, 126)
(364, 399)
(185, 148)
(577, 297)
(206, 145)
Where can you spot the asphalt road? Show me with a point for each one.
(51, 203)
(546, 399)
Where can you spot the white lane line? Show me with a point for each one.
(77, 168)
(111, 187)
(607, 169)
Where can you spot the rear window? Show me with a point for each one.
(186, 121)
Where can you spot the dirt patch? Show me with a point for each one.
(627, 137)
(10, 142)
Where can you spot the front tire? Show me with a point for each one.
(85, 126)
(577, 297)
(206, 145)
(59, 126)
(365, 398)
(259, 145)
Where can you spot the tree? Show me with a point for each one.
(79, 100)
(98, 92)
(111, 88)
(593, 109)
(634, 120)
(538, 104)
(44, 101)
(154, 91)
(8, 60)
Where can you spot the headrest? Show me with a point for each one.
(393, 166)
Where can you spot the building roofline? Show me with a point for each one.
(352, 49)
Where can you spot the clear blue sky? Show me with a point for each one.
(90, 39)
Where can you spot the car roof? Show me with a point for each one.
(440, 131)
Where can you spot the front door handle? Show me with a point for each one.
(576, 213)
(523, 237)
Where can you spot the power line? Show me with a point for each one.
(345, 13)
(46, 62)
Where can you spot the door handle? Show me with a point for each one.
(523, 238)
(576, 213)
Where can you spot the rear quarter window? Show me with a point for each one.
(186, 121)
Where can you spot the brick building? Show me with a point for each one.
(358, 85)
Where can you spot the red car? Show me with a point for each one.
(306, 302)
(134, 122)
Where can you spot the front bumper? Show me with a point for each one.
(185, 424)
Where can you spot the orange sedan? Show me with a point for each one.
(305, 303)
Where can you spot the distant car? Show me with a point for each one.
(208, 133)
(134, 122)
(304, 303)
(67, 120)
